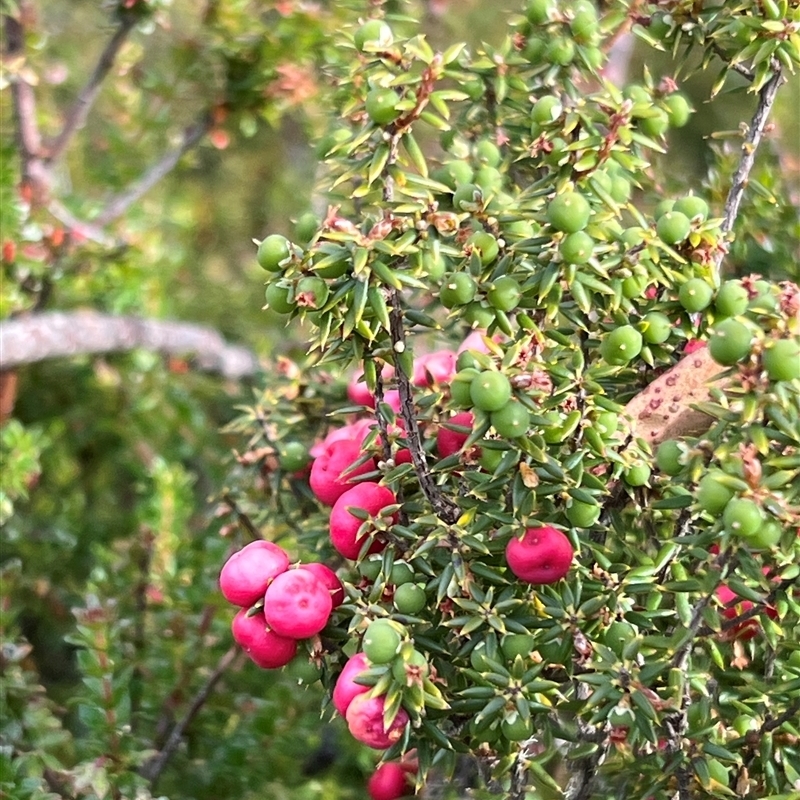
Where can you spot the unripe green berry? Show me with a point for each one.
(569, 212)
(695, 295)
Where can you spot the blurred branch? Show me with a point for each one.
(24, 101)
(152, 771)
(118, 205)
(76, 116)
(766, 99)
(28, 340)
(80, 228)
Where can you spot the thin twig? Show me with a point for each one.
(118, 205)
(443, 506)
(241, 517)
(766, 99)
(81, 229)
(24, 103)
(152, 771)
(76, 116)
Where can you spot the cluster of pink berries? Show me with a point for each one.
(279, 604)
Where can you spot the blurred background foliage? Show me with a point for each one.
(110, 545)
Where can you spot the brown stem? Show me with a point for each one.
(152, 771)
(118, 205)
(27, 340)
(76, 116)
(29, 140)
(766, 99)
(241, 517)
(443, 506)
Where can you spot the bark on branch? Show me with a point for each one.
(76, 116)
(28, 340)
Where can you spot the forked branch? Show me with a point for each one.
(76, 116)
(118, 205)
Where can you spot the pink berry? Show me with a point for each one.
(449, 441)
(297, 604)
(437, 367)
(365, 721)
(542, 555)
(390, 781)
(265, 647)
(247, 573)
(329, 579)
(344, 526)
(346, 688)
(327, 480)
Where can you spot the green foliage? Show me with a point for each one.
(694, 598)
(504, 189)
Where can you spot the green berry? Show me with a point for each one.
(712, 494)
(730, 342)
(576, 248)
(695, 295)
(668, 457)
(273, 251)
(402, 572)
(305, 227)
(678, 108)
(584, 25)
(634, 285)
(732, 299)
(460, 386)
(504, 294)
(373, 36)
(767, 537)
(781, 359)
(371, 567)
(458, 289)
(516, 729)
(618, 635)
(409, 598)
(477, 315)
(418, 664)
(489, 180)
(381, 106)
(467, 197)
(692, 206)
(485, 245)
(656, 327)
(454, 173)
(582, 515)
(540, 11)
(621, 345)
(664, 207)
(517, 644)
(546, 109)
(569, 212)
(293, 456)
(511, 421)
(487, 153)
(311, 292)
(743, 517)
(637, 475)
(490, 390)
(560, 51)
(607, 423)
(277, 298)
(381, 641)
(673, 227)
(656, 124)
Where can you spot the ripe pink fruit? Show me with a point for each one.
(297, 604)
(357, 431)
(247, 573)
(346, 687)
(326, 479)
(449, 441)
(542, 555)
(438, 367)
(390, 781)
(344, 526)
(329, 579)
(365, 721)
(734, 606)
(265, 647)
